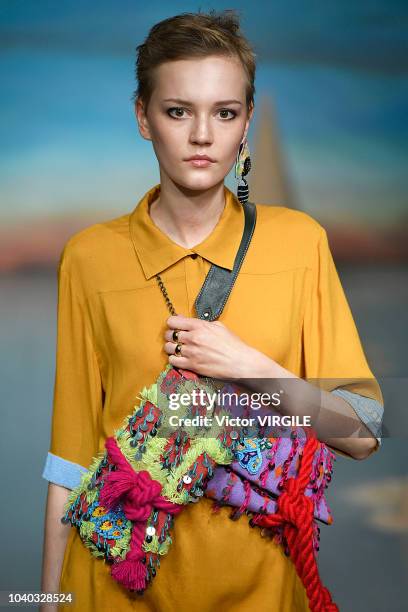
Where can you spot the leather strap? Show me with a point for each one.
(219, 281)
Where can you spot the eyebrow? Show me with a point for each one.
(187, 103)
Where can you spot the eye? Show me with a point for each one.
(178, 109)
(176, 112)
(227, 110)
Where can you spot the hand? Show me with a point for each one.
(208, 348)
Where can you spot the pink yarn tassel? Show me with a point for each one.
(132, 572)
(139, 494)
(132, 575)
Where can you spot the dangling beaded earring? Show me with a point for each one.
(242, 167)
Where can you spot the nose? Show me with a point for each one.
(201, 130)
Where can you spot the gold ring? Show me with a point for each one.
(177, 350)
(175, 335)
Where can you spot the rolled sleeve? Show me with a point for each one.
(334, 357)
(62, 472)
(369, 410)
(78, 391)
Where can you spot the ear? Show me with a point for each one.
(142, 121)
(248, 121)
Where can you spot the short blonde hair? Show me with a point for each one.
(190, 35)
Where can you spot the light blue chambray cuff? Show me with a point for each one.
(62, 472)
(369, 410)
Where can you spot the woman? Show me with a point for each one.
(286, 318)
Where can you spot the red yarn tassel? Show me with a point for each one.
(295, 513)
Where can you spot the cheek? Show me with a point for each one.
(163, 153)
(229, 139)
(165, 133)
(168, 140)
(228, 150)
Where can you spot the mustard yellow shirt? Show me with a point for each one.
(287, 302)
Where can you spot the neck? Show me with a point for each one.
(187, 216)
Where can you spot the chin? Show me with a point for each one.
(199, 181)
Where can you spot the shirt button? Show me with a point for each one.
(193, 255)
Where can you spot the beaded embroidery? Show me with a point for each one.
(249, 454)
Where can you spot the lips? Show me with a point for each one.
(200, 158)
(200, 162)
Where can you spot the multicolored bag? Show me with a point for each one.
(125, 504)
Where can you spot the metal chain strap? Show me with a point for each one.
(165, 294)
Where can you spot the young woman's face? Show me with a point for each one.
(197, 107)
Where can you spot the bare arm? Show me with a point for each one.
(333, 419)
(55, 541)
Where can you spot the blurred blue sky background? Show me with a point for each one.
(337, 74)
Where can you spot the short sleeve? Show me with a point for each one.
(334, 358)
(78, 392)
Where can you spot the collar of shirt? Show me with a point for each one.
(156, 251)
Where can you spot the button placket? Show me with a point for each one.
(191, 266)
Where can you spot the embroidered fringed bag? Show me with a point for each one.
(125, 504)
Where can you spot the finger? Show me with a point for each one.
(170, 347)
(181, 322)
(179, 361)
(182, 336)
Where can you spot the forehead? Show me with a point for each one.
(215, 77)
